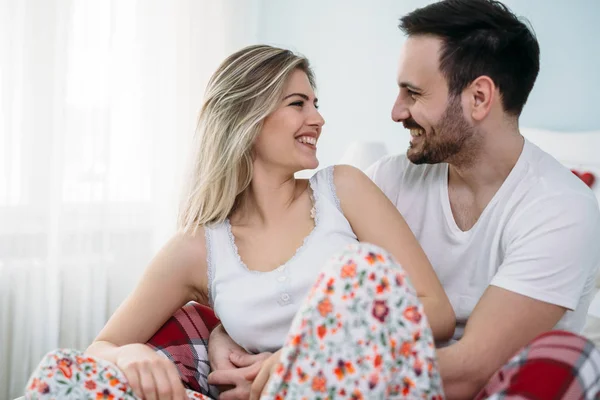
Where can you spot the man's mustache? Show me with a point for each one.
(411, 124)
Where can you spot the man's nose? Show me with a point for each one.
(400, 110)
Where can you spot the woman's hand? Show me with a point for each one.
(151, 376)
(235, 384)
(260, 383)
(221, 348)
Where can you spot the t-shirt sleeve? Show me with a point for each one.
(552, 250)
(387, 173)
(373, 169)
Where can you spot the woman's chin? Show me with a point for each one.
(312, 164)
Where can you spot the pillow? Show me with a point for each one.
(184, 340)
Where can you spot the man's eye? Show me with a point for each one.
(411, 93)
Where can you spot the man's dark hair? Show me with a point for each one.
(480, 37)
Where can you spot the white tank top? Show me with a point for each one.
(257, 308)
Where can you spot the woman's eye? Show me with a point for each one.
(297, 103)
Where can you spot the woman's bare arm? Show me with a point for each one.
(374, 219)
(176, 275)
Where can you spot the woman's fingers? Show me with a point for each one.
(179, 392)
(147, 381)
(260, 382)
(164, 389)
(133, 378)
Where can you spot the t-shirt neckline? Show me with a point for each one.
(512, 176)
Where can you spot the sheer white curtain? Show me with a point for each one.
(98, 100)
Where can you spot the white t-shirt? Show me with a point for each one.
(538, 236)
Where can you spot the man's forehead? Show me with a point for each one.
(419, 58)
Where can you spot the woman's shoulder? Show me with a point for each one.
(340, 181)
(185, 253)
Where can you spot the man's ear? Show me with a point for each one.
(481, 93)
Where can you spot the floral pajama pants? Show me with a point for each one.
(360, 334)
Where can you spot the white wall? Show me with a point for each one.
(353, 46)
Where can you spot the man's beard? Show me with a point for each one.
(444, 141)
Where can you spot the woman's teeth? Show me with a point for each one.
(416, 132)
(307, 139)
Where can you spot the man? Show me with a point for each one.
(511, 233)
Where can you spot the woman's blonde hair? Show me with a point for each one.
(245, 89)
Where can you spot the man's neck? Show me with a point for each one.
(490, 165)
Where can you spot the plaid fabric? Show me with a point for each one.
(184, 340)
(556, 365)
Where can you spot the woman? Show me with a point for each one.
(253, 238)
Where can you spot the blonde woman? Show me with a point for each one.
(253, 240)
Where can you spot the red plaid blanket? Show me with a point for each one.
(557, 365)
(184, 340)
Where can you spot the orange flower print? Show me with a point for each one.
(104, 395)
(279, 369)
(321, 331)
(325, 307)
(412, 314)
(343, 369)
(380, 310)
(374, 257)
(302, 376)
(319, 383)
(330, 289)
(408, 385)
(384, 285)
(406, 349)
(65, 368)
(113, 381)
(296, 340)
(377, 361)
(349, 270)
(416, 336)
(90, 385)
(356, 395)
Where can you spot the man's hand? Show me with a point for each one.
(220, 349)
(487, 345)
(237, 382)
(260, 383)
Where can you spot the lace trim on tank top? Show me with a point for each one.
(299, 250)
(332, 188)
(209, 265)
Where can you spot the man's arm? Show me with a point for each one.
(551, 253)
(502, 323)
